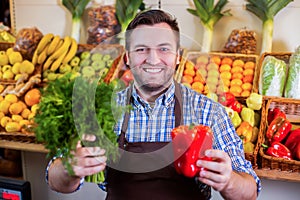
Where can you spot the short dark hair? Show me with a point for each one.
(151, 17)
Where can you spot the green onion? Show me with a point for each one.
(209, 14)
(126, 10)
(266, 11)
(76, 8)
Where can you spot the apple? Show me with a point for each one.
(202, 59)
(98, 64)
(85, 55)
(88, 71)
(75, 61)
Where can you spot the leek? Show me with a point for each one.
(209, 14)
(76, 8)
(266, 11)
(126, 10)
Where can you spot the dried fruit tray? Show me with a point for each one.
(235, 77)
(291, 107)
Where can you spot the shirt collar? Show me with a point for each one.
(164, 99)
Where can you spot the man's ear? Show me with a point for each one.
(126, 58)
(178, 57)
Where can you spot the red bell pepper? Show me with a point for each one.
(279, 150)
(278, 129)
(236, 106)
(189, 144)
(226, 98)
(293, 143)
(274, 113)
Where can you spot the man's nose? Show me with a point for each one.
(153, 57)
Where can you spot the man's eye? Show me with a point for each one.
(164, 49)
(141, 50)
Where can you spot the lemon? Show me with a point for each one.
(16, 118)
(25, 113)
(8, 75)
(16, 68)
(4, 106)
(12, 127)
(27, 67)
(12, 98)
(15, 108)
(5, 120)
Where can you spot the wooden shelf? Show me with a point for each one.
(278, 175)
(23, 146)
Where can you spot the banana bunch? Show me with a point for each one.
(52, 51)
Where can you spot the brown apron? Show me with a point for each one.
(160, 184)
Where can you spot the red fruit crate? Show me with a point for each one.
(291, 107)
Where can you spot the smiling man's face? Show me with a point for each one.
(152, 56)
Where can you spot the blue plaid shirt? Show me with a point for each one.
(154, 124)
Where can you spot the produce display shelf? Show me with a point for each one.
(278, 175)
(23, 146)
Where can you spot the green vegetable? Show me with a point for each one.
(76, 8)
(247, 115)
(126, 10)
(292, 87)
(254, 101)
(266, 11)
(70, 108)
(236, 119)
(272, 76)
(209, 14)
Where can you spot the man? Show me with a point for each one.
(160, 104)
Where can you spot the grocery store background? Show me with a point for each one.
(49, 16)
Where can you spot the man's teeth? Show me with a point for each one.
(153, 70)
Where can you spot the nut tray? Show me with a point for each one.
(291, 108)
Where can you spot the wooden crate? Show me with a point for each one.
(285, 56)
(291, 107)
(193, 55)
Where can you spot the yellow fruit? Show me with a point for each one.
(16, 118)
(1, 115)
(31, 116)
(23, 104)
(34, 108)
(23, 123)
(1, 88)
(25, 113)
(14, 57)
(5, 120)
(4, 106)
(12, 98)
(27, 67)
(12, 127)
(16, 68)
(15, 108)
(8, 75)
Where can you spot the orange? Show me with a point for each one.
(25, 113)
(237, 75)
(248, 79)
(225, 67)
(238, 82)
(199, 78)
(248, 72)
(237, 69)
(236, 89)
(15, 108)
(189, 65)
(238, 62)
(198, 86)
(225, 75)
(245, 93)
(247, 86)
(215, 59)
(249, 65)
(32, 97)
(190, 72)
(187, 79)
(226, 60)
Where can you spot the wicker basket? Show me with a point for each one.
(253, 157)
(5, 45)
(291, 108)
(193, 55)
(285, 56)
